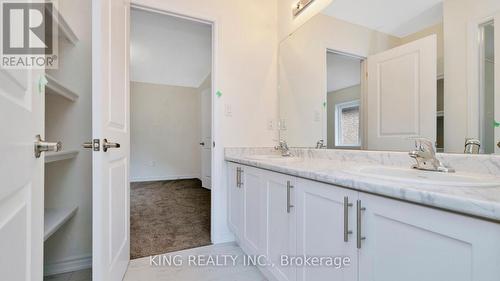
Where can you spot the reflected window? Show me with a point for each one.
(347, 125)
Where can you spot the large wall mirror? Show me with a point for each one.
(375, 75)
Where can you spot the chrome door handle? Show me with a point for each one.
(43, 146)
(346, 219)
(107, 145)
(289, 187)
(359, 236)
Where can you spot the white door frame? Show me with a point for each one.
(217, 153)
(362, 96)
(474, 74)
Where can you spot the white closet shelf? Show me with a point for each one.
(55, 88)
(55, 218)
(60, 156)
(65, 30)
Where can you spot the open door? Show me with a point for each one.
(206, 134)
(111, 128)
(496, 22)
(402, 95)
(21, 173)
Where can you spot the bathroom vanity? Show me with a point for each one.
(393, 222)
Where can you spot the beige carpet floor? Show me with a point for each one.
(168, 216)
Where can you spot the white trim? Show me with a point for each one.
(164, 178)
(338, 114)
(68, 265)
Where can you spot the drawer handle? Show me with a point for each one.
(289, 187)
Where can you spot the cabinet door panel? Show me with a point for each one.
(235, 202)
(415, 243)
(320, 225)
(254, 211)
(280, 224)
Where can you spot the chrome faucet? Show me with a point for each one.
(472, 146)
(425, 155)
(283, 147)
(320, 144)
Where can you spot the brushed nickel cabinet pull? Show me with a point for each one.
(347, 232)
(289, 187)
(359, 209)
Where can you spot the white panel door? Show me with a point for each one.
(497, 81)
(110, 120)
(281, 231)
(206, 135)
(414, 243)
(321, 227)
(402, 95)
(21, 176)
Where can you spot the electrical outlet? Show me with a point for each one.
(270, 124)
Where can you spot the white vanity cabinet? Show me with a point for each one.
(386, 240)
(326, 224)
(281, 223)
(414, 243)
(235, 199)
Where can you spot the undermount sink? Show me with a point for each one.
(428, 177)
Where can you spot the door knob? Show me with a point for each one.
(106, 145)
(43, 146)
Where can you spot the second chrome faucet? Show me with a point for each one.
(425, 155)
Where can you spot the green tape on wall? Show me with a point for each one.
(218, 94)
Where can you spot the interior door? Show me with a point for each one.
(206, 135)
(21, 174)
(111, 121)
(402, 95)
(497, 81)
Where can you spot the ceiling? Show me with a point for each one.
(396, 17)
(343, 72)
(169, 50)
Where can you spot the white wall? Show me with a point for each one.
(303, 84)
(165, 128)
(287, 23)
(245, 74)
(457, 15)
(69, 183)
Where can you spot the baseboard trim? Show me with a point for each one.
(69, 265)
(165, 178)
(223, 238)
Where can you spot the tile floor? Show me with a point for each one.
(82, 275)
(141, 270)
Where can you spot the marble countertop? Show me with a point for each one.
(343, 169)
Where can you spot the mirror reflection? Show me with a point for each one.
(360, 75)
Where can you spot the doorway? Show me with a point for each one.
(171, 133)
(344, 95)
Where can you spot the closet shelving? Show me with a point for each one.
(54, 87)
(65, 31)
(55, 218)
(60, 156)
